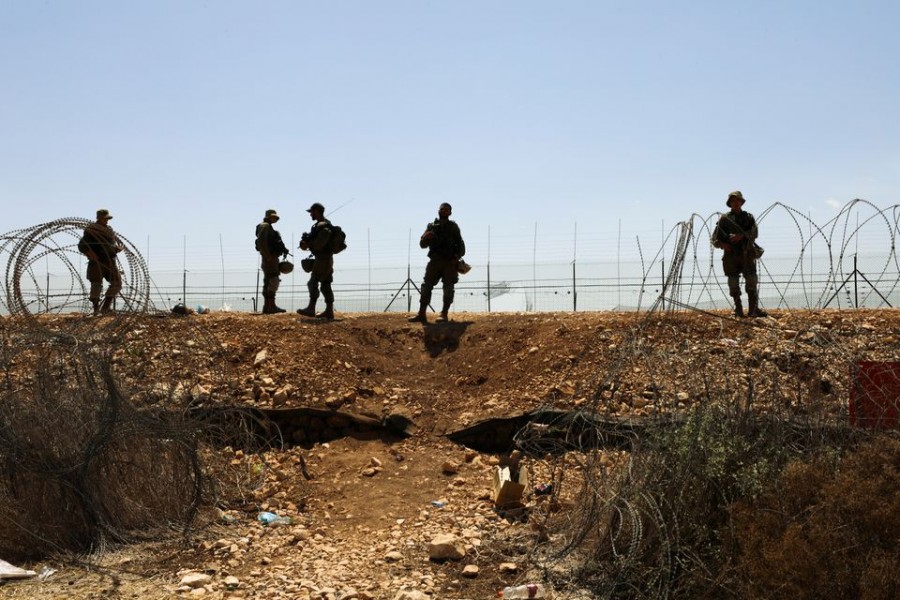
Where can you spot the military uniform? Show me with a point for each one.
(270, 247)
(445, 247)
(100, 244)
(738, 257)
(321, 276)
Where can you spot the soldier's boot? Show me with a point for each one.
(95, 302)
(107, 305)
(309, 311)
(275, 308)
(328, 313)
(445, 309)
(268, 305)
(738, 307)
(755, 310)
(421, 316)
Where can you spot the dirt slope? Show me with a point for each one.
(362, 524)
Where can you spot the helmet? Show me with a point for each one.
(285, 267)
(463, 267)
(307, 264)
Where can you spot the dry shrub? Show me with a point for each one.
(80, 465)
(667, 522)
(653, 527)
(827, 529)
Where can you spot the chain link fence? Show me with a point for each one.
(848, 261)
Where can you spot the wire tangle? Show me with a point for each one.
(690, 412)
(36, 254)
(817, 271)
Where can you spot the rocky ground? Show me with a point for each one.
(389, 517)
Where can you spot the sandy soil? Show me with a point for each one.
(361, 526)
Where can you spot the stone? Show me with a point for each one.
(261, 357)
(446, 546)
(470, 571)
(411, 595)
(508, 567)
(195, 580)
(450, 467)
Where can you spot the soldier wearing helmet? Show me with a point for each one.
(321, 271)
(445, 249)
(100, 244)
(736, 234)
(270, 248)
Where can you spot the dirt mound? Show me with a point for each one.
(362, 525)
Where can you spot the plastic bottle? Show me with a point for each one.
(268, 518)
(529, 590)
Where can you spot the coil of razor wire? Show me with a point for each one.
(35, 254)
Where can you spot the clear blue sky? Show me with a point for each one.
(189, 118)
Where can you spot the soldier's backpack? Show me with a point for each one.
(338, 241)
(257, 243)
(86, 243)
(83, 245)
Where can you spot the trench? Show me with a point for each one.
(539, 432)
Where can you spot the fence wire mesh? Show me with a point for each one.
(847, 260)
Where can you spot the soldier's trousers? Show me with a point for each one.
(96, 273)
(321, 276)
(440, 269)
(735, 265)
(271, 276)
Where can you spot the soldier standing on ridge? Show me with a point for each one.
(318, 241)
(271, 248)
(100, 244)
(735, 234)
(445, 247)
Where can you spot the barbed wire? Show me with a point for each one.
(104, 433)
(812, 266)
(57, 241)
(648, 521)
(693, 276)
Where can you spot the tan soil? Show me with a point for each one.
(364, 534)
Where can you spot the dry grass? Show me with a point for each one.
(826, 528)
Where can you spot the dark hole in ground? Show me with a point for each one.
(546, 431)
(253, 428)
(538, 433)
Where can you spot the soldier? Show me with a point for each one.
(271, 248)
(445, 247)
(318, 241)
(735, 234)
(100, 244)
